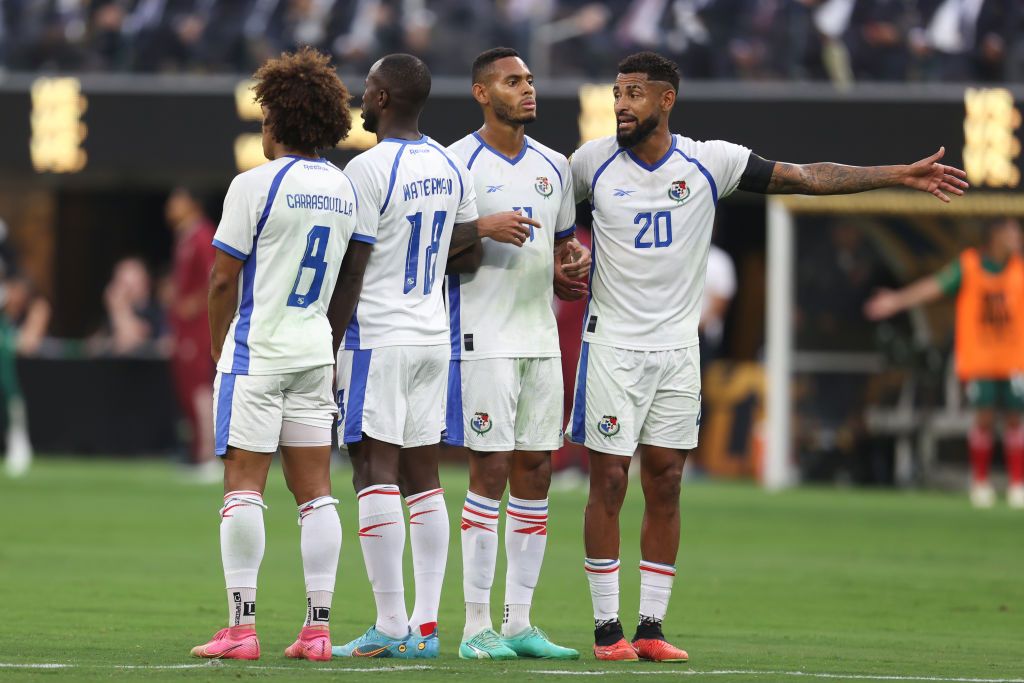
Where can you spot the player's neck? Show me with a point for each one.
(506, 138)
(399, 130)
(655, 147)
(282, 151)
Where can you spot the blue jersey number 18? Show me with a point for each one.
(412, 256)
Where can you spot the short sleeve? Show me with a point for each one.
(567, 210)
(467, 205)
(237, 228)
(579, 176)
(369, 200)
(726, 162)
(950, 278)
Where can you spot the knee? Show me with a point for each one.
(609, 490)
(662, 488)
(531, 476)
(488, 474)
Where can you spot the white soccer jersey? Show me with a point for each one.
(652, 230)
(290, 221)
(412, 193)
(504, 309)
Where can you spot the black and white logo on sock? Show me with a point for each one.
(249, 609)
(322, 614)
(236, 596)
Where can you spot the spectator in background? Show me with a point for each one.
(719, 289)
(191, 360)
(877, 41)
(134, 320)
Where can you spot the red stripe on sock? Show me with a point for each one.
(419, 497)
(470, 524)
(526, 518)
(473, 511)
(655, 570)
(602, 571)
(378, 491)
(539, 530)
(364, 530)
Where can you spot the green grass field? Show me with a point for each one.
(113, 569)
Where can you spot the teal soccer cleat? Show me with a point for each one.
(485, 645)
(373, 643)
(534, 644)
(425, 647)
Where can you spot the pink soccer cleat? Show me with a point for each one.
(313, 643)
(236, 642)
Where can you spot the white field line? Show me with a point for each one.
(542, 672)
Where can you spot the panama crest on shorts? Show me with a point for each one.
(608, 425)
(679, 192)
(481, 423)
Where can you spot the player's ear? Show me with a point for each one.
(480, 93)
(668, 99)
(383, 98)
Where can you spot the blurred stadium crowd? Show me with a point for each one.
(839, 40)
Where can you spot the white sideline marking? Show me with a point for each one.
(542, 672)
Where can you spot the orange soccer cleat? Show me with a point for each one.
(235, 642)
(657, 650)
(620, 651)
(313, 643)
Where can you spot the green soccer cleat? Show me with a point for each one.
(534, 644)
(485, 645)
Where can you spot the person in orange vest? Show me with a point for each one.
(989, 346)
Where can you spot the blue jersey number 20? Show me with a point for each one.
(412, 256)
(313, 259)
(662, 224)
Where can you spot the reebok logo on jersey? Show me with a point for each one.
(491, 189)
(679, 192)
(622, 193)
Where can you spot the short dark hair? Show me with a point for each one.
(656, 67)
(308, 103)
(406, 79)
(484, 60)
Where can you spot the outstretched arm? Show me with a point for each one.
(887, 302)
(927, 175)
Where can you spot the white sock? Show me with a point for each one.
(603, 576)
(479, 554)
(655, 589)
(428, 535)
(382, 537)
(526, 536)
(320, 540)
(242, 541)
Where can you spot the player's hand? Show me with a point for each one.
(928, 175)
(884, 304)
(510, 227)
(567, 288)
(575, 259)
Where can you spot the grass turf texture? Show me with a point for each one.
(105, 564)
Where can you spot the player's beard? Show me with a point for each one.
(505, 113)
(370, 121)
(641, 132)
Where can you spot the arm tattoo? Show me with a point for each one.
(829, 178)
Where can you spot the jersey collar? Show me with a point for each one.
(657, 164)
(512, 160)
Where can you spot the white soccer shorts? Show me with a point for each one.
(624, 398)
(393, 394)
(249, 410)
(505, 404)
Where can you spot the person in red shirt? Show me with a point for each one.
(191, 362)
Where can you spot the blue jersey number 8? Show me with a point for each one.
(313, 259)
(412, 256)
(662, 223)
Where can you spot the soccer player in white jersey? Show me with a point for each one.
(654, 196)
(505, 384)
(286, 228)
(419, 202)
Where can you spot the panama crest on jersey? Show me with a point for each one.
(608, 425)
(543, 186)
(481, 423)
(678, 191)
